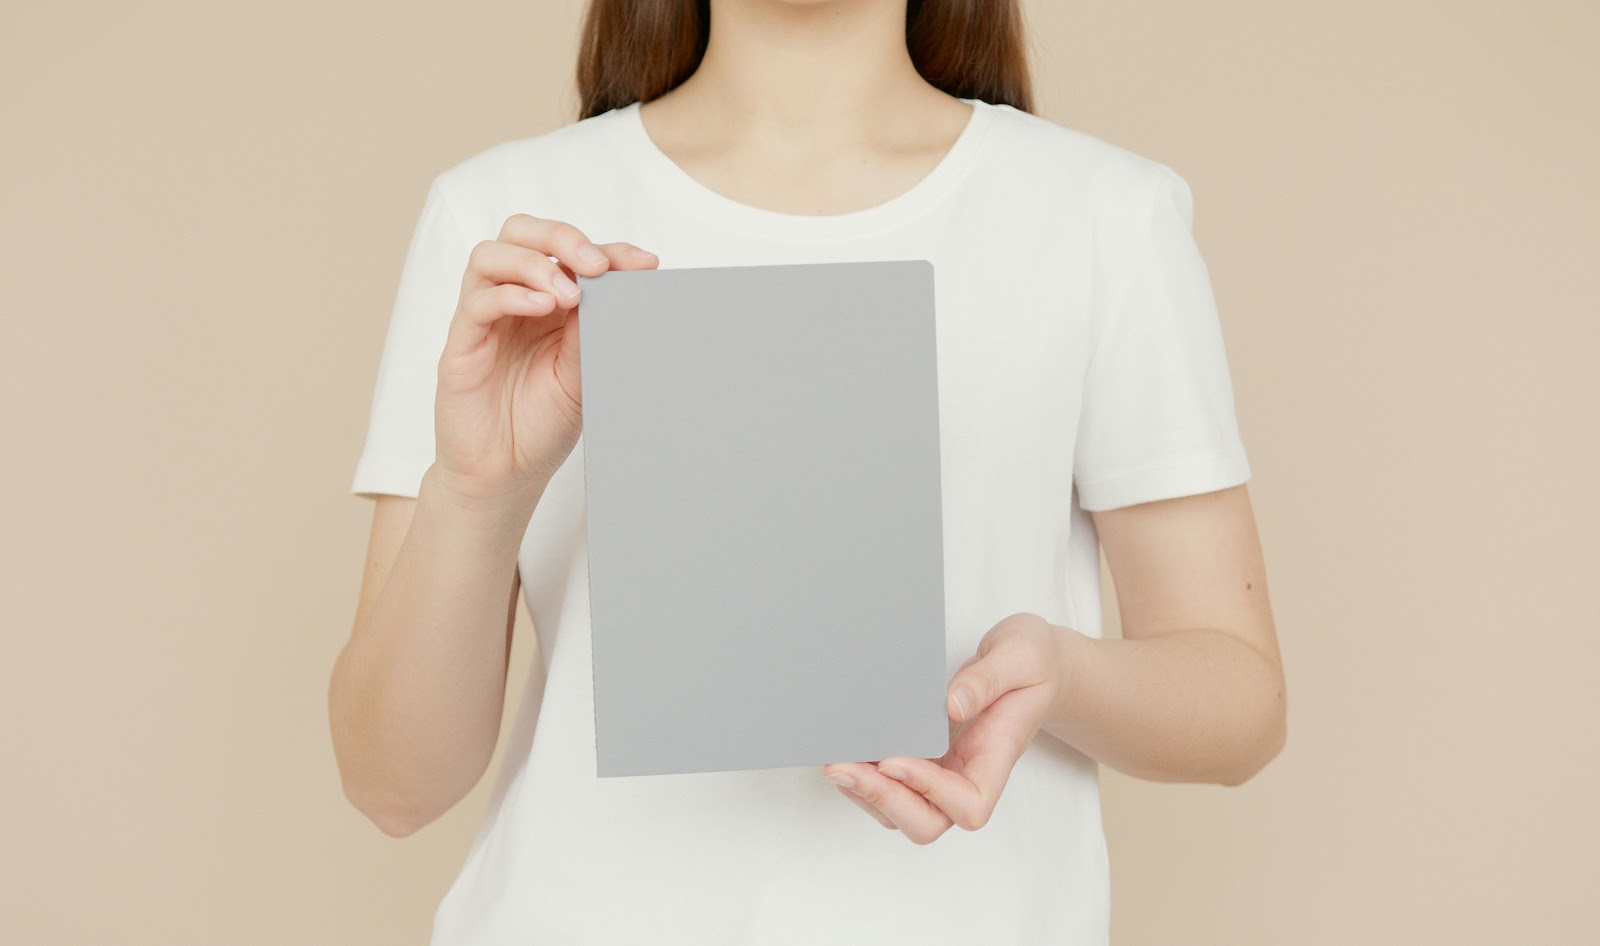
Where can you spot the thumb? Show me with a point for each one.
(985, 678)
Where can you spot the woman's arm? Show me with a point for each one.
(417, 693)
(1193, 692)
(1194, 689)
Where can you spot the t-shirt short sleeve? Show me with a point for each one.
(1158, 416)
(399, 445)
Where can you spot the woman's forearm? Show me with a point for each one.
(1191, 706)
(417, 693)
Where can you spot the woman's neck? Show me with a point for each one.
(831, 70)
(808, 107)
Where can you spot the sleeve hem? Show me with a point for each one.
(374, 478)
(1184, 475)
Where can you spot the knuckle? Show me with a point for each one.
(518, 221)
(479, 252)
(1019, 621)
(470, 307)
(1007, 633)
(1007, 628)
(538, 268)
(566, 233)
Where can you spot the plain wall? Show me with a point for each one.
(205, 211)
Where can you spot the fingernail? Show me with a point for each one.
(645, 253)
(893, 771)
(565, 288)
(842, 780)
(963, 701)
(592, 256)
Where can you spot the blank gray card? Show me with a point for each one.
(766, 561)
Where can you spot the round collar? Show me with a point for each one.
(672, 181)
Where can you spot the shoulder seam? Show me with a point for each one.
(447, 201)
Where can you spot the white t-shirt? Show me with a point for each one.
(1081, 367)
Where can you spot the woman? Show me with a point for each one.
(1085, 398)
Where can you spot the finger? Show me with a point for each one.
(914, 815)
(844, 776)
(953, 710)
(867, 807)
(622, 256)
(489, 305)
(967, 786)
(988, 747)
(556, 238)
(494, 262)
(1006, 664)
(962, 801)
(482, 308)
(627, 256)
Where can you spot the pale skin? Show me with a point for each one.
(806, 108)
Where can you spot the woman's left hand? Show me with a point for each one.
(997, 701)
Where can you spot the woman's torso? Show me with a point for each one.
(1016, 221)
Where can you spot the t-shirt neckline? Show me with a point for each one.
(670, 180)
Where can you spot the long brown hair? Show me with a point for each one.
(636, 50)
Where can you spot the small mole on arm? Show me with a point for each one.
(1248, 586)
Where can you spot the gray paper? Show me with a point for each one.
(766, 568)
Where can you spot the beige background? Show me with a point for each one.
(205, 208)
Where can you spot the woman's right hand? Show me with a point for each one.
(509, 406)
